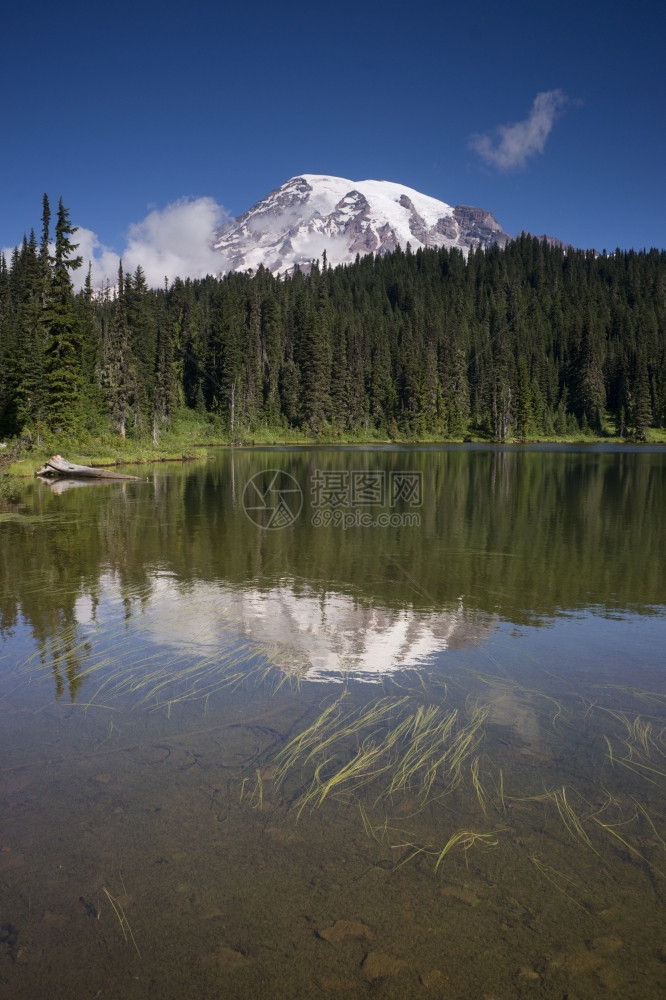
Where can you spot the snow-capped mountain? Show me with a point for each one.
(294, 224)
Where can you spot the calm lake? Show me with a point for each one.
(302, 723)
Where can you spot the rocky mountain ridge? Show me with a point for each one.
(313, 213)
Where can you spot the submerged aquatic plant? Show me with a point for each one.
(122, 919)
(466, 839)
(392, 746)
(431, 759)
(422, 750)
(569, 817)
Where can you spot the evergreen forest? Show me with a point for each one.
(526, 341)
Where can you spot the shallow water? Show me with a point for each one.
(256, 742)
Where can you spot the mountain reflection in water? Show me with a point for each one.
(307, 635)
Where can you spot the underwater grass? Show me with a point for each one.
(481, 793)
(420, 750)
(387, 748)
(569, 817)
(122, 919)
(563, 883)
(401, 746)
(466, 839)
(636, 746)
(430, 750)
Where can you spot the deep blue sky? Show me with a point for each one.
(126, 109)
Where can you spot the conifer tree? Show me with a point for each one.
(524, 410)
(27, 359)
(589, 387)
(142, 343)
(63, 338)
(165, 382)
(272, 351)
(44, 258)
(456, 393)
(640, 414)
(315, 352)
(118, 372)
(93, 402)
(340, 380)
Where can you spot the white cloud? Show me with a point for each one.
(172, 242)
(7, 253)
(104, 261)
(175, 242)
(511, 145)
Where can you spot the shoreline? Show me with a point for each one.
(97, 454)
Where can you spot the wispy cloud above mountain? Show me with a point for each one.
(510, 146)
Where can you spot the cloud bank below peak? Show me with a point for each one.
(171, 242)
(510, 146)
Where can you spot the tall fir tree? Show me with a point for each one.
(63, 336)
(165, 381)
(118, 372)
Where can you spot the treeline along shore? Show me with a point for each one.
(522, 342)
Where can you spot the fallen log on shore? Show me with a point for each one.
(58, 466)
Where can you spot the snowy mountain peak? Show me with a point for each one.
(294, 224)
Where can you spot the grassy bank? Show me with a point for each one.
(191, 435)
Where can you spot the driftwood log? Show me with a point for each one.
(58, 466)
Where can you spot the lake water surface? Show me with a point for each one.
(302, 723)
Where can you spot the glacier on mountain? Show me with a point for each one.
(313, 213)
